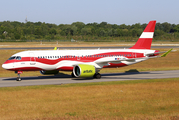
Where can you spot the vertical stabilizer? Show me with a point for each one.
(145, 40)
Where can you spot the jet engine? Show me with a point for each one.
(83, 70)
(49, 72)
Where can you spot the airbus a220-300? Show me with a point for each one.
(83, 63)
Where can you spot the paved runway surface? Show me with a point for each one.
(66, 79)
(39, 48)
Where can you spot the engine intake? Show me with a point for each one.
(83, 70)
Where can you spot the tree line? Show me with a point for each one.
(80, 31)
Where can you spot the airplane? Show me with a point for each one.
(83, 63)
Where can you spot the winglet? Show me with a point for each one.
(55, 48)
(166, 53)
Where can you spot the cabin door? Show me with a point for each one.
(134, 55)
(32, 58)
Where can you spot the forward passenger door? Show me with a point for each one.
(32, 58)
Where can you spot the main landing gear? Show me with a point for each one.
(18, 73)
(97, 75)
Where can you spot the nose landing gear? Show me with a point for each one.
(18, 73)
(18, 78)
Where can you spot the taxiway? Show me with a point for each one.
(66, 79)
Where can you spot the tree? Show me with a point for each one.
(2, 29)
(158, 26)
(136, 26)
(2, 36)
(134, 32)
(158, 32)
(102, 33)
(86, 31)
(44, 29)
(176, 28)
(17, 36)
(103, 24)
(125, 32)
(53, 32)
(79, 26)
(143, 26)
(74, 30)
(110, 32)
(38, 31)
(37, 23)
(115, 26)
(166, 27)
(123, 26)
(31, 28)
(67, 30)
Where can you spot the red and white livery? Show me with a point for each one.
(83, 63)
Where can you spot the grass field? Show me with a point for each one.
(156, 99)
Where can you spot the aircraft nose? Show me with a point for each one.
(4, 66)
(7, 66)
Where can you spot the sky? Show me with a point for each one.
(89, 11)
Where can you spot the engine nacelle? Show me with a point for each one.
(49, 72)
(83, 70)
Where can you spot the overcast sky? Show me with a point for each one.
(89, 11)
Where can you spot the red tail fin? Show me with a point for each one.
(145, 40)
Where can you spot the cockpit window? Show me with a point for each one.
(11, 58)
(18, 58)
(15, 57)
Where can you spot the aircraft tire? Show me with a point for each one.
(18, 79)
(97, 75)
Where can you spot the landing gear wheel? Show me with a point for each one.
(18, 79)
(97, 75)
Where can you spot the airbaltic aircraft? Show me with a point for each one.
(83, 63)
